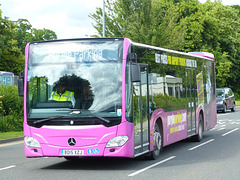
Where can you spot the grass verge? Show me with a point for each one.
(237, 102)
(9, 135)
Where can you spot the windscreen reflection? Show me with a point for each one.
(97, 88)
(93, 83)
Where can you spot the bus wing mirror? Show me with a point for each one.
(135, 69)
(132, 57)
(21, 84)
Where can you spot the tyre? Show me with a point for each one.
(233, 109)
(224, 108)
(157, 143)
(199, 136)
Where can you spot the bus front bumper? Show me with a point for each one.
(46, 150)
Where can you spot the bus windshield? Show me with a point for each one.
(90, 73)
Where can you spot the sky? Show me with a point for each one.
(67, 18)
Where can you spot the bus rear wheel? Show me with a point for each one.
(199, 136)
(157, 142)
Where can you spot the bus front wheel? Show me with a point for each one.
(157, 142)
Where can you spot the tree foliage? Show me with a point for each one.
(184, 25)
(142, 21)
(14, 35)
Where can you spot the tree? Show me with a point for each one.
(185, 25)
(25, 34)
(14, 35)
(11, 58)
(237, 7)
(222, 35)
(24, 29)
(142, 21)
(223, 65)
(40, 35)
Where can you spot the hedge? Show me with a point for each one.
(11, 109)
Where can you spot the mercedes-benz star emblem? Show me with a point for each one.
(71, 141)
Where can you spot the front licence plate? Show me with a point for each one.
(72, 152)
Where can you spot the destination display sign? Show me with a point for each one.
(75, 52)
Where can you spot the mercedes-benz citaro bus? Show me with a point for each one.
(130, 99)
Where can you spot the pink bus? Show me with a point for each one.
(120, 98)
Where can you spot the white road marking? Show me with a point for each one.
(218, 128)
(9, 167)
(230, 132)
(222, 114)
(144, 169)
(201, 145)
(221, 129)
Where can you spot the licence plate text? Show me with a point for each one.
(72, 152)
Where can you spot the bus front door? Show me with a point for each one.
(191, 101)
(141, 113)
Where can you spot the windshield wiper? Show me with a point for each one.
(103, 119)
(79, 111)
(47, 119)
(70, 110)
(60, 117)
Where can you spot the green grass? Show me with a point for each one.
(237, 102)
(8, 135)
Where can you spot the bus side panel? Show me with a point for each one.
(174, 125)
(210, 117)
(213, 121)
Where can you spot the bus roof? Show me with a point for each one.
(76, 39)
(204, 55)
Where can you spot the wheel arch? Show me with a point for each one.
(160, 125)
(159, 122)
(151, 155)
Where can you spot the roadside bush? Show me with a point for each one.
(169, 103)
(1, 107)
(10, 123)
(11, 109)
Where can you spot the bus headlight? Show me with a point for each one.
(31, 142)
(117, 141)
